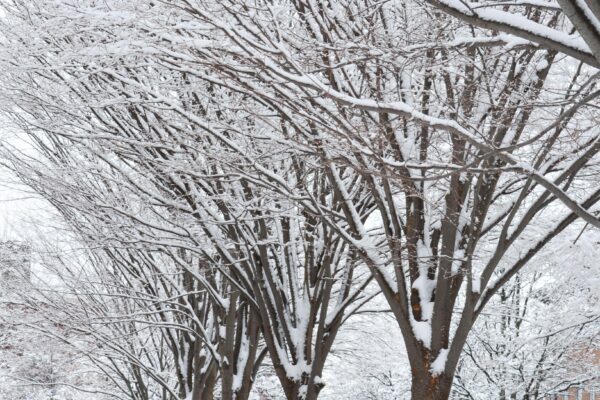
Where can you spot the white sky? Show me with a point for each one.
(17, 207)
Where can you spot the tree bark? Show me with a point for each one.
(204, 387)
(426, 386)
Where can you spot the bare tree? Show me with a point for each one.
(183, 179)
(457, 164)
(290, 140)
(515, 19)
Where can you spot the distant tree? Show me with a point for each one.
(529, 345)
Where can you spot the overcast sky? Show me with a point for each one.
(17, 208)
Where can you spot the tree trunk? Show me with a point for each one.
(425, 386)
(204, 385)
(313, 392)
(303, 390)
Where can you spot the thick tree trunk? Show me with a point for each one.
(313, 392)
(425, 386)
(304, 390)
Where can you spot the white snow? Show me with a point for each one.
(422, 331)
(520, 22)
(439, 365)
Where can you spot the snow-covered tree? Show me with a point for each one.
(580, 38)
(303, 148)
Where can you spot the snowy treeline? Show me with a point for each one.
(305, 199)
